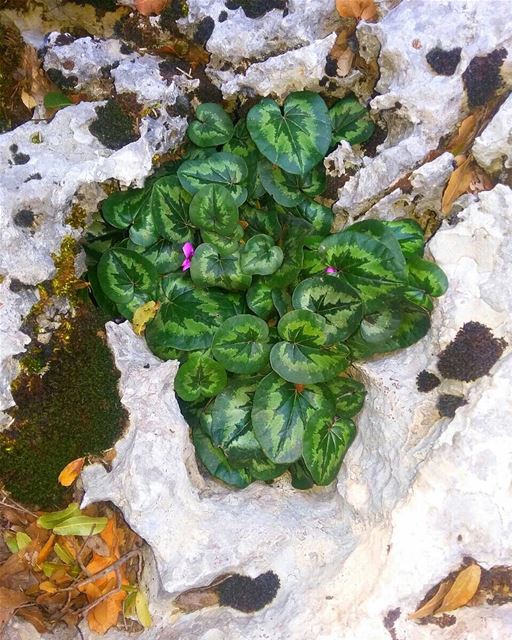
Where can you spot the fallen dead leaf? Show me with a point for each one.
(150, 7)
(431, 605)
(358, 9)
(465, 135)
(457, 185)
(462, 590)
(71, 472)
(143, 315)
(10, 600)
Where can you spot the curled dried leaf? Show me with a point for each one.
(358, 9)
(150, 7)
(71, 472)
(465, 135)
(462, 590)
(431, 605)
(457, 185)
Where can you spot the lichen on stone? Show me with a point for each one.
(113, 127)
(427, 381)
(248, 594)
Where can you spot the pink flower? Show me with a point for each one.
(331, 270)
(188, 251)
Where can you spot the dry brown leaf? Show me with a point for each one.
(431, 605)
(457, 185)
(71, 472)
(10, 600)
(150, 7)
(463, 589)
(46, 550)
(466, 132)
(345, 61)
(358, 9)
(28, 100)
(35, 616)
(33, 81)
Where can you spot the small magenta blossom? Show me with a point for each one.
(188, 251)
(331, 270)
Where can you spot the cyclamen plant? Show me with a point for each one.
(263, 306)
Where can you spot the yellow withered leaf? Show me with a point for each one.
(143, 315)
(457, 185)
(71, 472)
(431, 605)
(463, 589)
(466, 132)
(358, 9)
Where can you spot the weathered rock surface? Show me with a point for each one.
(493, 148)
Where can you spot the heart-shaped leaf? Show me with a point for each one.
(213, 209)
(293, 250)
(379, 326)
(260, 256)
(241, 344)
(276, 183)
(282, 301)
(280, 412)
(306, 354)
(350, 121)
(211, 127)
(326, 440)
(349, 395)
(121, 207)
(169, 204)
(166, 256)
(143, 231)
(124, 273)
(261, 221)
(318, 215)
(241, 144)
(225, 244)
(199, 377)
(231, 413)
(216, 462)
(409, 235)
(259, 299)
(244, 449)
(332, 298)
(265, 470)
(209, 269)
(189, 320)
(296, 137)
(222, 168)
(427, 276)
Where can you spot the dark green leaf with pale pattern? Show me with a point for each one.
(124, 273)
(244, 449)
(259, 299)
(143, 230)
(350, 121)
(334, 299)
(349, 395)
(260, 256)
(261, 221)
(297, 136)
(225, 244)
(216, 462)
(169, 204)
(121, 207)
(292, 263)
(280, 412)
(222, 168)
(199, 377)
(306, 354)
(213, 209)
(211, 127)
(301, 478)
(318, 215)
(241, 344)
(209, 269)
(231, 413)
(427, 276)
(326, 441)
(409, 235)
(276, 183)
(265, 470)
(164, 255)
(282, 301)
(379, 326)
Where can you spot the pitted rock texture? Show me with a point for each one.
(348, 554)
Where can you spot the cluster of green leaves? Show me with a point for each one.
(274, 308)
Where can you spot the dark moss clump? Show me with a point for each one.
(223, 16)
(12, 110)
(471, 354)
(426, 381)
(447, 404)
(248, 594)
(17, 156)
(66, 83)
(71, 410)
(113, 127)
(99, 5)
(175, 10)
(482, 77)
(257, 8)
(24, 218)
(442, 61)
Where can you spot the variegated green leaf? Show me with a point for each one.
(280, 412)
(260, 221)
(121, 207)
(243, 449)
(222, 168)
(241, 344)
(318, 215)
(420, 298)
(169, 204)
(209, 269)
(301, 478)
(211, 127)
(231, 413)
(166, 256)
(282, 301)
(326, 440)
(123, 274)
(226, 244)
(199, 377)
(349, 395)
(427, 276)
(265, 470)
(409, 235)
(332, 298)
(296, 137)
(143, 231)
(350, 121)
(260, 256)
(241, 144)
(276, 183)
(307, 354)
(293, 250)
(379, 326)
(190, 319)
(259, 299)
(213, 209)
(215, 461)
(127, 309)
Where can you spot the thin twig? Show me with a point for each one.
(184, 73)
(16, 506)
(104, 572)
(83, 612)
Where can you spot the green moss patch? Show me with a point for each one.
(71, 410)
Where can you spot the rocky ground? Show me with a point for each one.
(425, 487)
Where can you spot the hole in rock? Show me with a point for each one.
(447, 404)
(256, 8)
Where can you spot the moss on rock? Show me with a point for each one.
(72, 410)
(113, 127)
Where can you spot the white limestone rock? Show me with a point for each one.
(493, 148)
(348, 554)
